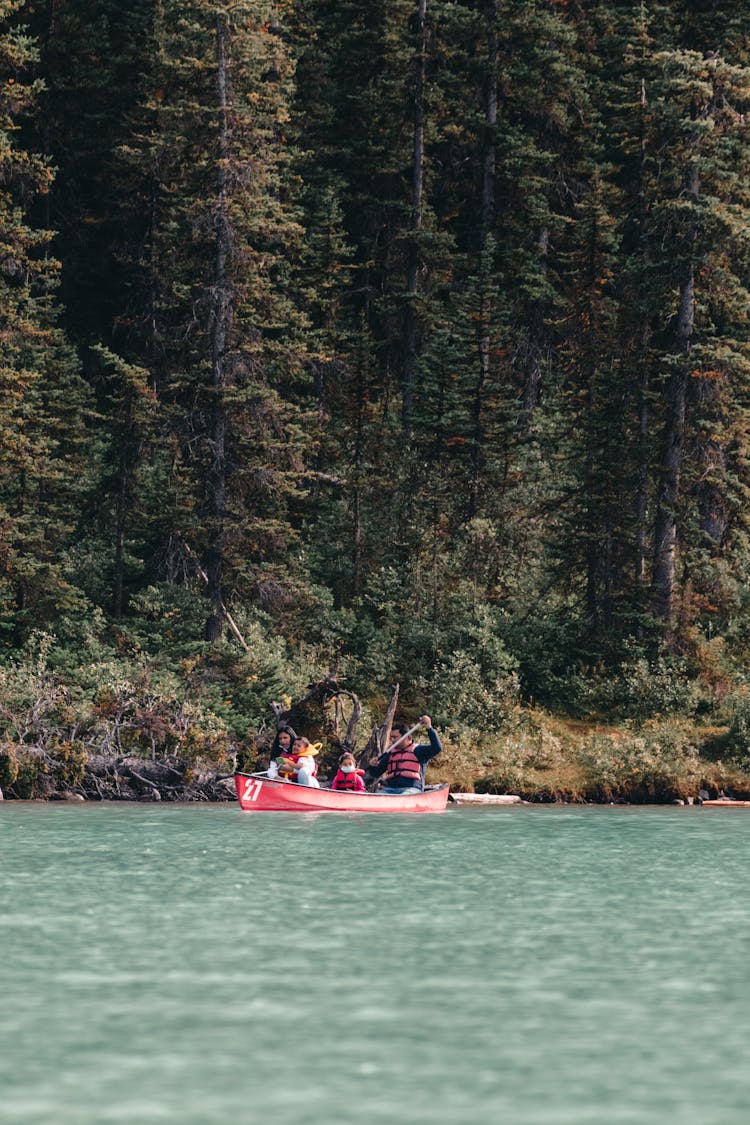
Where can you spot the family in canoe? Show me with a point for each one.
(401, 767)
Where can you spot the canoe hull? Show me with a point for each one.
(262, 794)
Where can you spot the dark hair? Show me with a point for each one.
(283, 728)
(402, 728)
(347, 754)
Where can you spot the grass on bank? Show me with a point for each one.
(553, 758)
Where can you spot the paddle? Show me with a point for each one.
(398, 742)
(393, 746)
(403, 736)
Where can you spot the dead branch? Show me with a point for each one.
(380, 739)
(225, 612)
(351, 726)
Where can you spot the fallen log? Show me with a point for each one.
(486, 799)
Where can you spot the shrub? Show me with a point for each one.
(509, 769)
(68, 764)
(31, 777)
(735, 711)
(8, 765)
(656, 765)
(638, 689)
(463, 699)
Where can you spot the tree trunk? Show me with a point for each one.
(221, 330)
(123, 502)
(488, 214)
(641, 496)
(357, 562)
(712, 502)
(380, 738)
(710, 456)
(532, 375)
(477, 409)
(665, 531)
(411, 320)
(490, 150)
(45, 104)
(642, 474)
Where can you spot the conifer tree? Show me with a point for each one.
(91, 55)
(215, 261)
(42, 399)
(693, 200)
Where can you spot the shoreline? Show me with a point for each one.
(457, 800)
(32, 773)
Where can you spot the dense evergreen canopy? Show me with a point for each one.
(411, 335)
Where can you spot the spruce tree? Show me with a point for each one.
(218, 329)
(694, 201)
(42, 399)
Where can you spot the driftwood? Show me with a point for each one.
(136, 779)
(349, 740)
(319, 716)
(486, 799)
(380, 738)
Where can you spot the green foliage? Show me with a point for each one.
(659, 764)
(8, 765)
(29, 781)
(69, 761)
(43, 401)
(735, 711)
(168, 614)
(463, 697)
(421, 351)
(123, 702)
(509, 770)
(636, 689)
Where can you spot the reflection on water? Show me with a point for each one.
(525, 965)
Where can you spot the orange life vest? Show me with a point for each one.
(403, 762)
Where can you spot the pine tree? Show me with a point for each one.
(91, 54)
(42, 399)
(217, 328)
(692, 156)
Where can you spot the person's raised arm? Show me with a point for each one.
(429, 750)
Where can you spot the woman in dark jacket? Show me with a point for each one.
(281, 747)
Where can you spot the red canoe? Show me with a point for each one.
(263, 794)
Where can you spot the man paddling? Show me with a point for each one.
(404, 763)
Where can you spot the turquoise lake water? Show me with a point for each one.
(200, 965)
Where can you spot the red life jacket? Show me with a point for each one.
(348, 780)
(403, 762)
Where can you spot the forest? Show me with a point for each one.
(401, 339)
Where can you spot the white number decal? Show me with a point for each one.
(253, 786)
